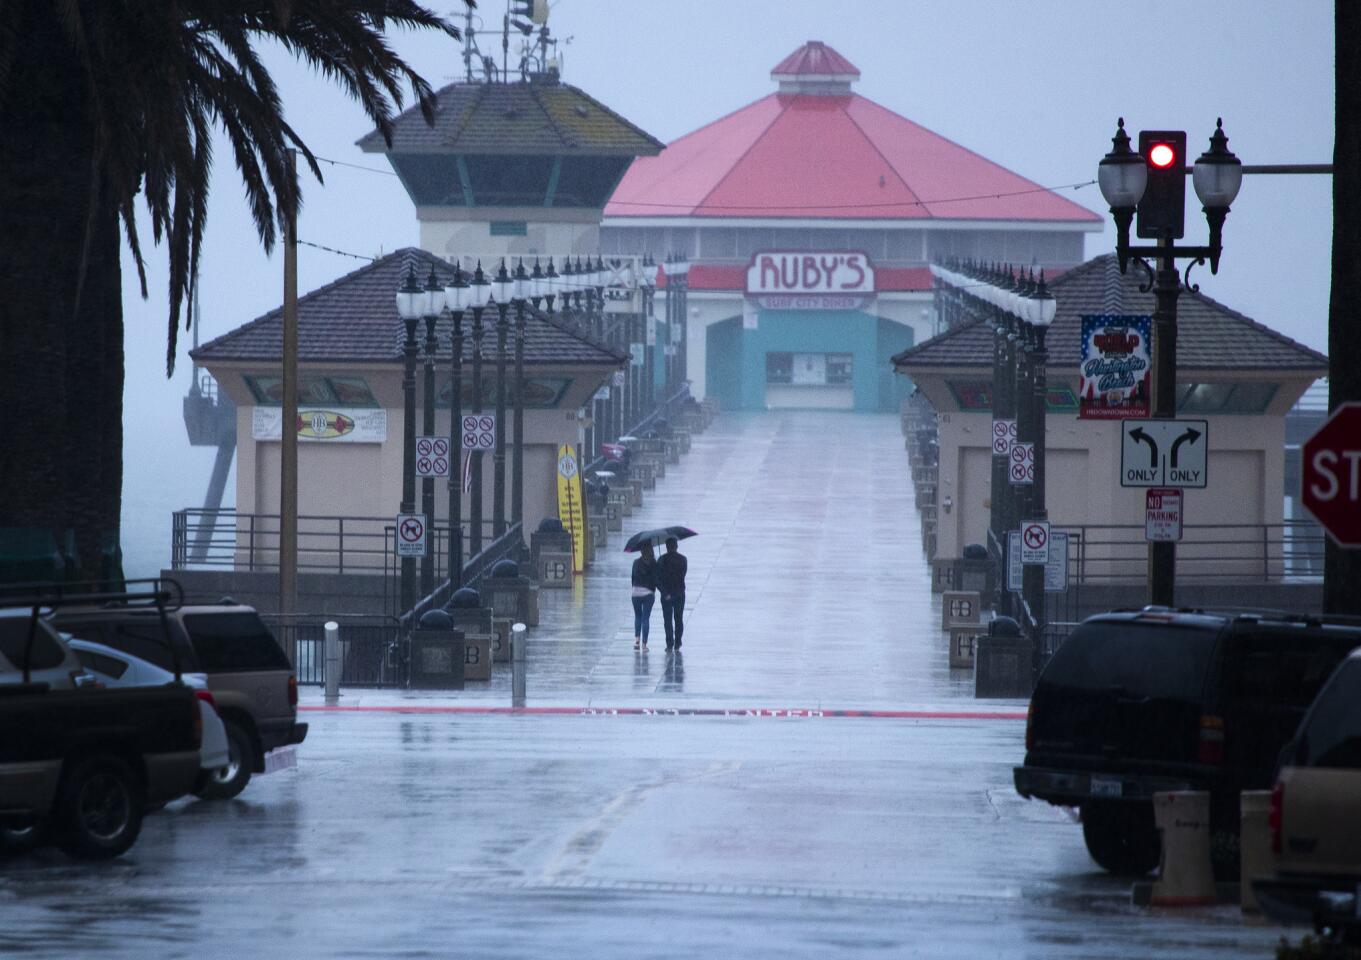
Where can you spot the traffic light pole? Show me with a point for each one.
(1162, 554)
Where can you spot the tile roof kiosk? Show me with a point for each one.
(515, 168)
(809, 218)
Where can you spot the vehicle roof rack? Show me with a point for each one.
(150, 592)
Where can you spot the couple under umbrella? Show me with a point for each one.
(664, 575)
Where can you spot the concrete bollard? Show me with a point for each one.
(1254, 845)
(333, 665)
(1185, 878)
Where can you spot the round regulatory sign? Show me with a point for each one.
(412, 530)
(1035, 536)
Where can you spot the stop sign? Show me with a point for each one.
(1331, 482)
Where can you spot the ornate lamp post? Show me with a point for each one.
(524, 289)
(410, 306)
(434, 306)
(456, 298)
(650, 331)
(480, 298)
(503, 289)
(1123, 176)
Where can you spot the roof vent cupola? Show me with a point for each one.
(817, 69)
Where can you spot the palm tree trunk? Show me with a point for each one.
(61, 352)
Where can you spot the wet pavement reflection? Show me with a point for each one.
(523, 834)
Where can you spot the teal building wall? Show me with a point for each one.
(735, 358)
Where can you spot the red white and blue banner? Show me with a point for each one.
(1116, 367)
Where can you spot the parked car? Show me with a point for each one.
(82, 765)
(1316, 814)
(250, 678)
(50, 660)
(114, 668)
(1139, 702)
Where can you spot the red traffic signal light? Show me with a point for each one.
(1162, 209)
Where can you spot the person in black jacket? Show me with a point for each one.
(671, 582)
(644, 587)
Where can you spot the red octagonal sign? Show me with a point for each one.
(1331, 482)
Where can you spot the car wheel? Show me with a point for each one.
(1121, 837)
(99, 810)
(227, 782)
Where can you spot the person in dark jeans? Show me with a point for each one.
(671, 582)
(644, 585)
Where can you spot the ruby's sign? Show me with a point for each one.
(810, 280)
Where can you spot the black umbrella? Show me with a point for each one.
(656, 537)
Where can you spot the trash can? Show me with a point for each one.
(975, 570)
(1002, 661)
(438, 653)
(511, 594)
(467, 614)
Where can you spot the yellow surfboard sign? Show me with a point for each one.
(570, 508)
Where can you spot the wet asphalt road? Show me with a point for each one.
(431, 833)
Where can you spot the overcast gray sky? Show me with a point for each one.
(1033, 86)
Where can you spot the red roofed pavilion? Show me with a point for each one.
(815, 169)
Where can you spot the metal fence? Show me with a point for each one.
(249, 542)
(370, 648)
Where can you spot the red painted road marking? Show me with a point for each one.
(673, 712)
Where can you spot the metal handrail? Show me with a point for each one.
(474, 570)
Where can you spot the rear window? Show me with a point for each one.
(1133, 659)
(102, 663)
(233, 642)
(1331, 734)
(45, 654)
(142, 637)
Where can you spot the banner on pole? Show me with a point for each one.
(570, 510)
(1116, 366)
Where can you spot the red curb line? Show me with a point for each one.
(794, 713)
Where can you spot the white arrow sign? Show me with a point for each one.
(1163, 453)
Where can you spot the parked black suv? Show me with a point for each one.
(1139, 702)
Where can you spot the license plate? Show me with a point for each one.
(281, 758)
(1106, 787)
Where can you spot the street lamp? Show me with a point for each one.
(456, 297)
(503, 288)
(410, 306)
(433, 306)
(480, 297)
(524, 289)
(1217, 176)
(649, 276)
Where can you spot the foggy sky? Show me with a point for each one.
(1033, 86)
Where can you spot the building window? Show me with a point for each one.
(809, 369)
(541, 393)
(509, 228)
(1233, 398)
(838, 368)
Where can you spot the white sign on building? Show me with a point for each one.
(335, 425)
(810, 280)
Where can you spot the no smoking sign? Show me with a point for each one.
(1003, 436)
(479, 431)
(432, 457)
(1021, 463)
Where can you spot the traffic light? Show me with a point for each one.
(1163, 207)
